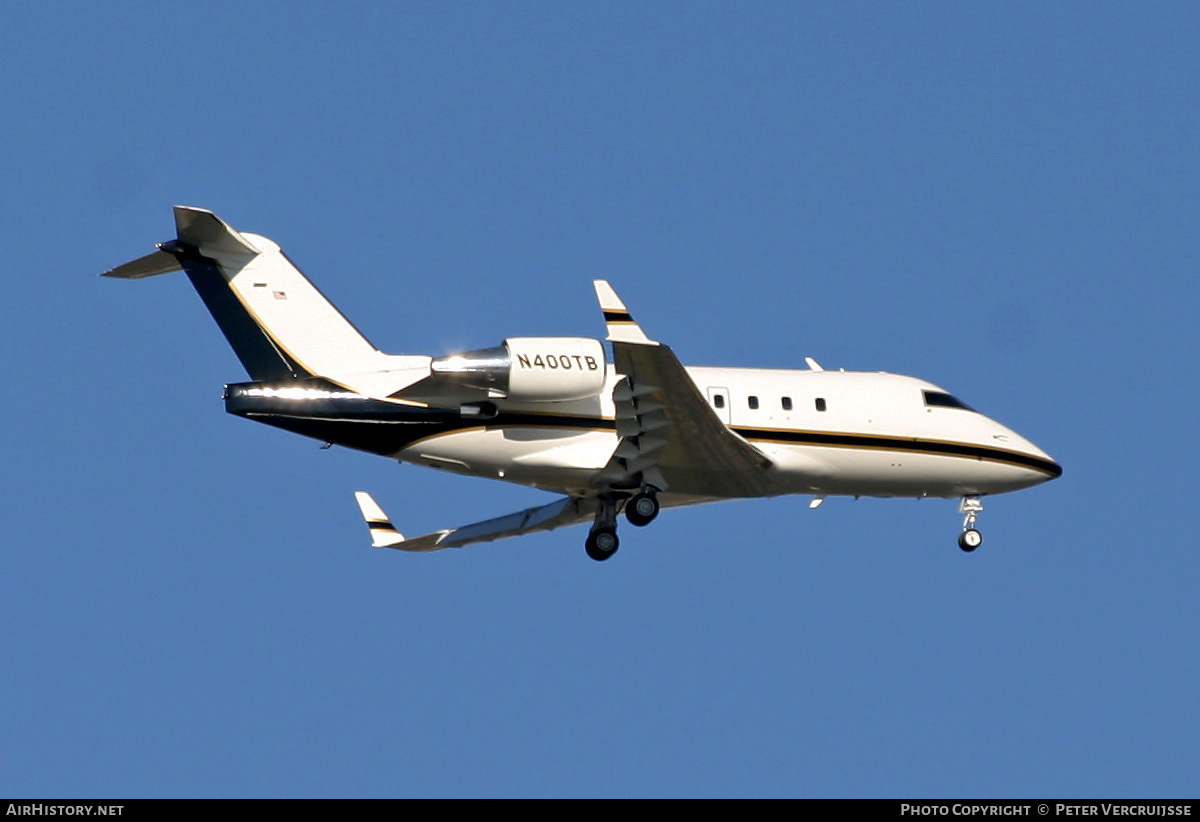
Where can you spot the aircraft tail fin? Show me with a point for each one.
(278, 324)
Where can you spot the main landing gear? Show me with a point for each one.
(640, 510)
(602, 542)
(970, 538)
(643, 508)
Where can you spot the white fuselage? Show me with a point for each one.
(827, 433)
(547, 412)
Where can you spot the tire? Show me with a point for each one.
(602, 543)
(642, 509)
(970, 540)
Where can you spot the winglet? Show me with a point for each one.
(621, 326)
(383, 535)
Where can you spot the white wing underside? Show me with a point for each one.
(558, 514)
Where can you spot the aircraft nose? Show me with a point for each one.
(1043, 466)
(1042, 461)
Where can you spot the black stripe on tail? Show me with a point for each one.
(258, 353)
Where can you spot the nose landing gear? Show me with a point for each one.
(970, 539)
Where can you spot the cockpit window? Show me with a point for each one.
(943, 400)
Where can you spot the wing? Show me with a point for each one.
(558, 514)
(670, 437)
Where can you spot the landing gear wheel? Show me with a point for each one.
(970, 506)
(602, 543)
(970, 540)
(642, 509)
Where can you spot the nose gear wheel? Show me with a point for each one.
(970, 539)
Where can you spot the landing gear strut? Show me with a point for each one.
(640, 509)
(643, 508)
(602, 540)
(970, 538)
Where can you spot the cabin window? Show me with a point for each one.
(820, 403)
(754, 403)
(787, 403)
(718, 400)
(940, 399)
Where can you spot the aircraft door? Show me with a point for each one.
(718, 398)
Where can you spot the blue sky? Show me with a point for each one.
(1000, 198)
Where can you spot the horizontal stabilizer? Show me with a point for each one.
(198, 228)
(206, 231)
(158, 262)
(195, 227)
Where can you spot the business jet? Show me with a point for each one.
(630, 435)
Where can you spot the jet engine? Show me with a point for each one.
(530, 369)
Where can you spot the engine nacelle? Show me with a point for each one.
(531, 369)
